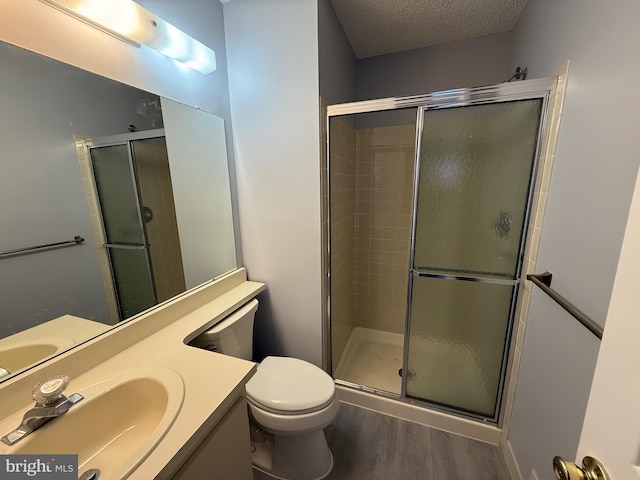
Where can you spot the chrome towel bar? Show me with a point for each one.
(21, 251)
(543, 281)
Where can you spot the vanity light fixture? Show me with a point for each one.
(128, 21)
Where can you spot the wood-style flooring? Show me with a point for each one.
(367, 445)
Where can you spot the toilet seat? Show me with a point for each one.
(294, 424)
(289, 386)
(265, 408)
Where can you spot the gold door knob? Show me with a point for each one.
(591, 469)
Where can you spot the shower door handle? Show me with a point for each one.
(125, 246)
(591, 469)
(418, 272)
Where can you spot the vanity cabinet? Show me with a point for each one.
(225, 454)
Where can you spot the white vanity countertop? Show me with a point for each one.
(76, 329)
(212, 382)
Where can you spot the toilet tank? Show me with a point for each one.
(233, 335)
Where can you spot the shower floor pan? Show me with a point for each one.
(452, 375)
(372, 358)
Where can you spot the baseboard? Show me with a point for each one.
(512, 464)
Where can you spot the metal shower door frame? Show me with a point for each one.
(499, 96)
(521, 90)
(112, 141)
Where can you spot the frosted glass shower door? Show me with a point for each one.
(474, 183)
(126, 241)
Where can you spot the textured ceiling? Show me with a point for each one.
(376, 27)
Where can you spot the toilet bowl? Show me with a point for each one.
(290, 402)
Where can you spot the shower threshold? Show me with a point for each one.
(372, 358)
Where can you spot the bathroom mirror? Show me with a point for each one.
(134, 187)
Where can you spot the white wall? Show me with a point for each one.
(595, 167)
(272, 49)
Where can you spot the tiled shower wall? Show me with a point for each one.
(371, 199)
(152, 164)
(343, 212)
(384, 192)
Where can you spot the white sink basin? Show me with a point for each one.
(116, 426)
(19, 355)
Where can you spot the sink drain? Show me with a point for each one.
(92, 474)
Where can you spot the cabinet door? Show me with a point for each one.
(226, 453)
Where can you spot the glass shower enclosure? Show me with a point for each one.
(428, 207)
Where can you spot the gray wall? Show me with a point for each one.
(337, 63)
(594, 171)
(467, 63)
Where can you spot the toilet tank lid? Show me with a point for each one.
(249, 308)
(290, 385)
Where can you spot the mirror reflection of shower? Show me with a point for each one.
(138, 221)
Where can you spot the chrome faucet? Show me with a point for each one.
(50, 403)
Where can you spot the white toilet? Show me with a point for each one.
(290, 402)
